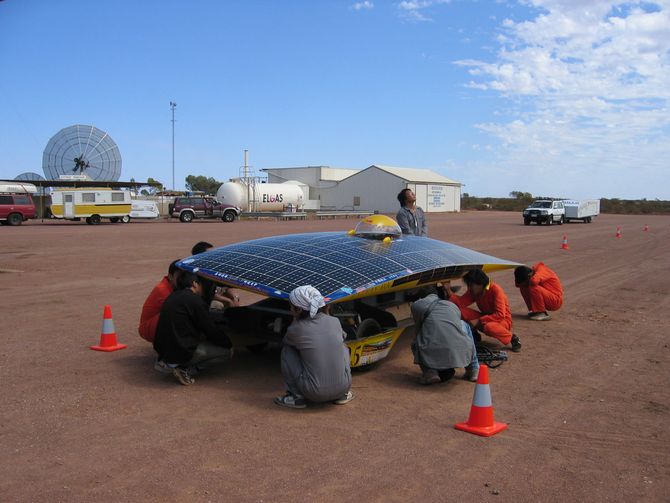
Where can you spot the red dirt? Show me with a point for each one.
(586, 400)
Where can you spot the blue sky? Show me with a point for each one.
(554, 97)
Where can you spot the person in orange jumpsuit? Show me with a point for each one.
(541, 290)
(494, 317)
(151, 309)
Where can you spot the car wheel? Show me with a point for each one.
(588, 220)
(125, 219)
(550, 219)
(88, 220)
(114, 219)
(14, 219)
(95, 219)
(186, 217)
(228, 216)
(526, 221)
(562, 219)
(368, 327)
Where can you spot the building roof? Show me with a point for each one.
(327, 173)
(415, 175)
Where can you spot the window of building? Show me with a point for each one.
(88, 197)
(357, 200)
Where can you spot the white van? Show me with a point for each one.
(93, 204)
(141, 208)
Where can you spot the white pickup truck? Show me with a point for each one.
(545, 211)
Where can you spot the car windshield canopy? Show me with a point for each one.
(541, 204)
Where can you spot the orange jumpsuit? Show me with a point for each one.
(151, 309)
(494, 313)
(543, 291)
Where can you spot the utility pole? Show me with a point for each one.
(173, 105)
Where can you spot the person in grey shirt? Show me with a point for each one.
(315, 361)
(443, 341)
(410, 217)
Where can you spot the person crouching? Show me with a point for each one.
(443, 342)
(314, 359)
(186, 338)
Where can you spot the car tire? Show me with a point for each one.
(368, 327)
(526, 221)
(125, 219)
(562, 219)
(550, 220)
(228, 216)
(95, 219)
(14, 219)
(186, 217)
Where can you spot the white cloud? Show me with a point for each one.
(366, 5)
(589, 83)
(414, 9)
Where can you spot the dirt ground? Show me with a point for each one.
(587, 400)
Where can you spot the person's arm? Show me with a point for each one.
(203, 322)
(403, 221)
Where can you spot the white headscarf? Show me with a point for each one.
(307, 298)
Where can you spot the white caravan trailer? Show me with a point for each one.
(584, 210)
(141, 208)
(93, 204)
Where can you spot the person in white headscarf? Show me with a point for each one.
(314, 359)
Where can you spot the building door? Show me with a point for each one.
(68, 205)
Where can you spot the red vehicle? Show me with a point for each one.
(193, 207)
(16, 205)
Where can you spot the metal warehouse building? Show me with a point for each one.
(371, 189)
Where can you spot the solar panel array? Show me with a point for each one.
(335, 263)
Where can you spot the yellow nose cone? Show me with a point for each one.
(387, 240)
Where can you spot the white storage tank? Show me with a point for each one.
(266, 196)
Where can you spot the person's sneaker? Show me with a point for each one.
(471, 374)
(516, 344)
(183, 376)
(346, 398)
(541, 316)
(429, 376)
(291, 401)
(162, 367)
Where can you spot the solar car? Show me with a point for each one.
(360, 273)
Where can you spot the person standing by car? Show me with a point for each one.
(315, 361)
(411, 217)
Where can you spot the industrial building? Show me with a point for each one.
(371, 189)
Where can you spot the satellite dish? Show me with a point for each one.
(82, 150)
(28, 176)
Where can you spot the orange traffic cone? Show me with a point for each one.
(565, 246)
(646, 228)
(108, 335)
(618, 232)
(481, 420)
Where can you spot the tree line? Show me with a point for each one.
(518, 201)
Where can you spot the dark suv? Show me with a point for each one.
(15, 208)
(188, 208)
